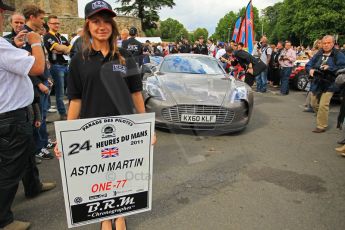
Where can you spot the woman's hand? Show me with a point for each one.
(57, 153)
(154, 139)
(37, 124)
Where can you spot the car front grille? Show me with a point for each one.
(173, 114)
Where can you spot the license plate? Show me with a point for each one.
(198, 118)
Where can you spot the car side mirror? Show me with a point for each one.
(147, 69)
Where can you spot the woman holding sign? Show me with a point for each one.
(103, 79)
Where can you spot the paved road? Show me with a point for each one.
(276, 174)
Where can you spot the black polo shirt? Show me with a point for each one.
(52, 39)
(84, 82)
(201, 49)
(134, 47)
(185, 48)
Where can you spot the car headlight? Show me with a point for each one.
(155, 91)
(240, 93)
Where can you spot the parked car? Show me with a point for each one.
(193, 92)
(299, 77)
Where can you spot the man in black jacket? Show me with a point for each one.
(18, 33)
(34, 22)
(274, 65)
(322, 67)
(252, 66)
(201, 48)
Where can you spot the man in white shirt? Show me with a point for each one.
(16, 140)
(221, 51)
(79, 34)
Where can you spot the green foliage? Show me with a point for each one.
(183, 33)
(153, 32)
(303, 21)
(225, 26)
(146, 10)
(172, 30)
(200, 32)
(257, 21)
(191, 37)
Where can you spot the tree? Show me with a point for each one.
(173, 30)
(225, 27)
(146, 10)
(183, 33)
(201, 32)
(153, 32)
(303, 21)
(270, 19)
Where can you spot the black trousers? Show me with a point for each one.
(17, 160)
(250, 79)
(275, 75)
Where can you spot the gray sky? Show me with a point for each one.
(198, 13)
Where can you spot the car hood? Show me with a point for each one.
(195, 88)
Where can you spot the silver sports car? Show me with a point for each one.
(191, 91)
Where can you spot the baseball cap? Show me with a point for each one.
(94, 7)
(133, 31)
(5, 7)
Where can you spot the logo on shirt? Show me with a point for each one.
(133, 48)
(120, 68)
(51, 41)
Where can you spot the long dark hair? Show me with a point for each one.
(114, 50)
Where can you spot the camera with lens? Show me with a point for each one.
(259, 45)
(324, 75)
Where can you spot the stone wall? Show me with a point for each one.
(67, 11)
(126, 22)
(70, 25)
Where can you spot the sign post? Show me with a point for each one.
(106, 167)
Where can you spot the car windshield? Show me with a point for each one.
(191, 65)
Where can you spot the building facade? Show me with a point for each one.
(67, 11)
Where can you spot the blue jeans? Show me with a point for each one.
(261, 82)
(59, 73)
(41, 134)
(285, 73)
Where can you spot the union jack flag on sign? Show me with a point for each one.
(110, 152)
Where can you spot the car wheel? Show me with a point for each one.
(301, 81)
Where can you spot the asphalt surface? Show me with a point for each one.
(276, 174)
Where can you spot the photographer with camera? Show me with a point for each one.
(287, 59)
(265, 53)
(322, 68)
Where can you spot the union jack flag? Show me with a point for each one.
(110, 152)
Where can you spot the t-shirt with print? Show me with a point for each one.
(84, 82)
(134, 47)
(52, 39)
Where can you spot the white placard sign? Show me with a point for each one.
(106, 166)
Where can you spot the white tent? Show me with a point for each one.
(151, 39)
